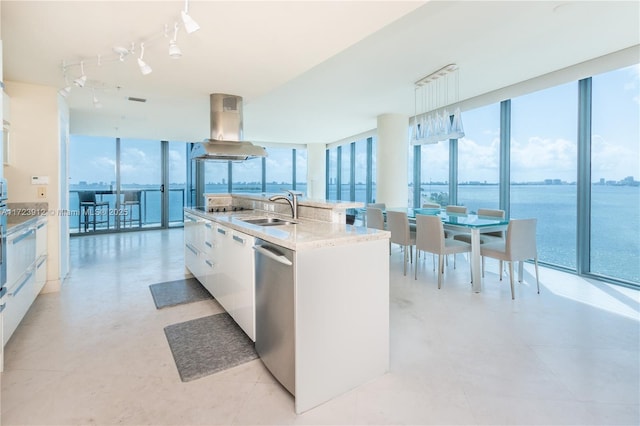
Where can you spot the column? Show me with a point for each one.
(316, 171)
(391, 160)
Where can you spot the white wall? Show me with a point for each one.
(35, 132)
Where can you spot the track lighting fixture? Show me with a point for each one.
(144, 68)
(190, 25)
(120, 53)
(80, 81)
(64, 92)
(96, 102)
(174, 50)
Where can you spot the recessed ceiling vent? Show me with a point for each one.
(226, 142)
(132, 99)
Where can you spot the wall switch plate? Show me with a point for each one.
(42, 192)
(39, 180)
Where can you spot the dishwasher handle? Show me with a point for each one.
(273, 254)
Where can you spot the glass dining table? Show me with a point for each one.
(470, 223)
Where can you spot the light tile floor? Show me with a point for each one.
(96, 353)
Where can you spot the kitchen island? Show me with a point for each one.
(340, 294)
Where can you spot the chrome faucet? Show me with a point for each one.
(293, 201)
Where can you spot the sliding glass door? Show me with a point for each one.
(134, 183)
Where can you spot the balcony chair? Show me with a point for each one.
(131, 200)
(430, 238)
(398, 225)
(90, 210)
(518, 246)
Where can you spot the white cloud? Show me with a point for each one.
(539, 158)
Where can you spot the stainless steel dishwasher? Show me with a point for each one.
(274, 266)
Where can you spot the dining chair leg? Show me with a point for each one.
(501, 270)
(405, 261)
(535, 261)
(440, 270)
(416, 265)
(511, 279)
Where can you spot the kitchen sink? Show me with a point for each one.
(269, 221)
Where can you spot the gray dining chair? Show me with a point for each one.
(381, 206)
(398, 225)
(454, 210)
(431, 206)
(488, 237)
(518, 246)
(430, 238)
(375, 218)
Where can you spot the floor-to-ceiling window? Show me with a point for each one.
(142, 181)
(332, 174)
(92, 168)
(279, 169)
(141, 178)
(345, 172)
(301, 168)
(352, 168)
(177, 181)
(247, 175)
(274, 173)
(615, 166)
(544, 168)
(434, 174)
(360, 171)
(479, 159)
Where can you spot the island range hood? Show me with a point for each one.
(226, 133)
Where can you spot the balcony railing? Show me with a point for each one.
(117, 215)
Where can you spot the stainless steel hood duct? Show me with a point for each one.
(226, 133)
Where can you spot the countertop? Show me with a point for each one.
(305, 234)
(16, 223)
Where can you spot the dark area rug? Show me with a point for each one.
(208, 345)
(177, 292)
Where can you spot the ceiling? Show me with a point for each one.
(309, 71)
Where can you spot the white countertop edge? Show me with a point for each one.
(306, 234)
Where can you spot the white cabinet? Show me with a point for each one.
(221, 280)
(222, 260)
(41, 255)
(194, 251)
(26, 272)
(242, 282)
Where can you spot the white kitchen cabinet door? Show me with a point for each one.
(242, 281)
(41, 275)
(221, 281)
(18, 300)
(41, 238)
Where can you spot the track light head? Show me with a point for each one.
(80, 81)
(190, 25)
(64, 92)
(144, 68)
(174, 50)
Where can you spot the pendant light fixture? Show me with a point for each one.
(190, 25)
(144, 68)
(174, 50)
(80, 81)
(431, 123)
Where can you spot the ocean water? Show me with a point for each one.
(615, 217)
